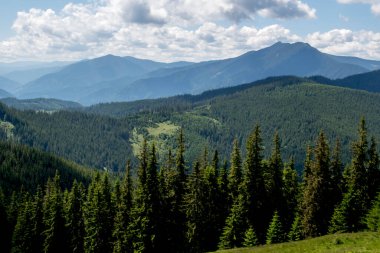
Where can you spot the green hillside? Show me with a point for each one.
(108, 134)
(354, 242)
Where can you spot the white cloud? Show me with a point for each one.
(365, 44)
(375, 4)
(168, 30)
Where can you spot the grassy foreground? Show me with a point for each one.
(355, 242)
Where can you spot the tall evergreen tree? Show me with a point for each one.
(336, 180)
(121, 234)
(98, 216)
(373, 170)
(253, 186)
(316, 211)
(195, 211)
(290, 193)
(235, 175)
(146, 213)
(22, 240)
(275, 232)
(350, 213)
(55, 237)
(5, 230)
(74, 218)
(274, 179)
(37, 220)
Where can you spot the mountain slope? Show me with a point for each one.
(111, 78)
(28, 75)
(297, 59)
(77, 81)
(38, 104)
(369, 81)
(297, 108)
(8, 85)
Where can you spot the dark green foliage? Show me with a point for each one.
(250, 238)
(5, 227)
(290, 193)
(98, 216)
(55, 236)
(27, 167)
(349, 215)
(296, 233)
(121, 234)
(253, 185)
(315, 202)
(22, 240)
(235, 175)
(236, 225)
(373, 217)
(275, 232)
(373, 170)
(74, 218)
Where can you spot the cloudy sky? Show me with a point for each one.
(171, 30)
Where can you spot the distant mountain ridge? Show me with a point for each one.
(113, 78)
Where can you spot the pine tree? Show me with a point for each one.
(5, 234)
(275, 182)
(146, 215)
(223, 203)
(121, 234)
(37, 220)
(253, 186)
(373, 217)
(235, 176)
(373, 170)
(195, 211)
(295, 233)
(290, 193)
(316, 211)
(22, 240)
(236, 225)
(336, 181)
(349, 214)
(98, 216)
(250, 238)
(275, 232)
(74, 218)
(53, 218)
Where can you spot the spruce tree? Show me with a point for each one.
(250, 238)
(5, 231)
(55, 236)
(22, 240)
(235, 175)
(275, 232)
(98, 216)
(121, 234)
(373, 217)
(37, 220)
(373, 170)
(274, 180)
(195, 211)
(336, 181)
(145, 213)
(236, 225)
(315, 202)
(74, 218)
(295, 233)
(290, 193)
(350, 213)
(253, 185)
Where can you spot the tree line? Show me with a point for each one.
(212, 205)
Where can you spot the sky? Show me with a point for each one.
(191, 30)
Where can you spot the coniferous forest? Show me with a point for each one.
(212, 204)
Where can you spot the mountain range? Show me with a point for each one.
(112, 78)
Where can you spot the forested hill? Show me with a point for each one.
(297, 108)
(27, 168)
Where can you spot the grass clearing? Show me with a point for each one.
(337, 243)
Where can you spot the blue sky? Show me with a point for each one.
(194, 30)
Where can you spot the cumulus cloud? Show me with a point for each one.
(375, 4)
(363, 43)
(167, 30)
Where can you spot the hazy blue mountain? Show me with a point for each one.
(9, 85)
(112, 78)
(78, 81)
(38, 104)
(28, 75)
(5, 94)
(299, 59)
(8, 67)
